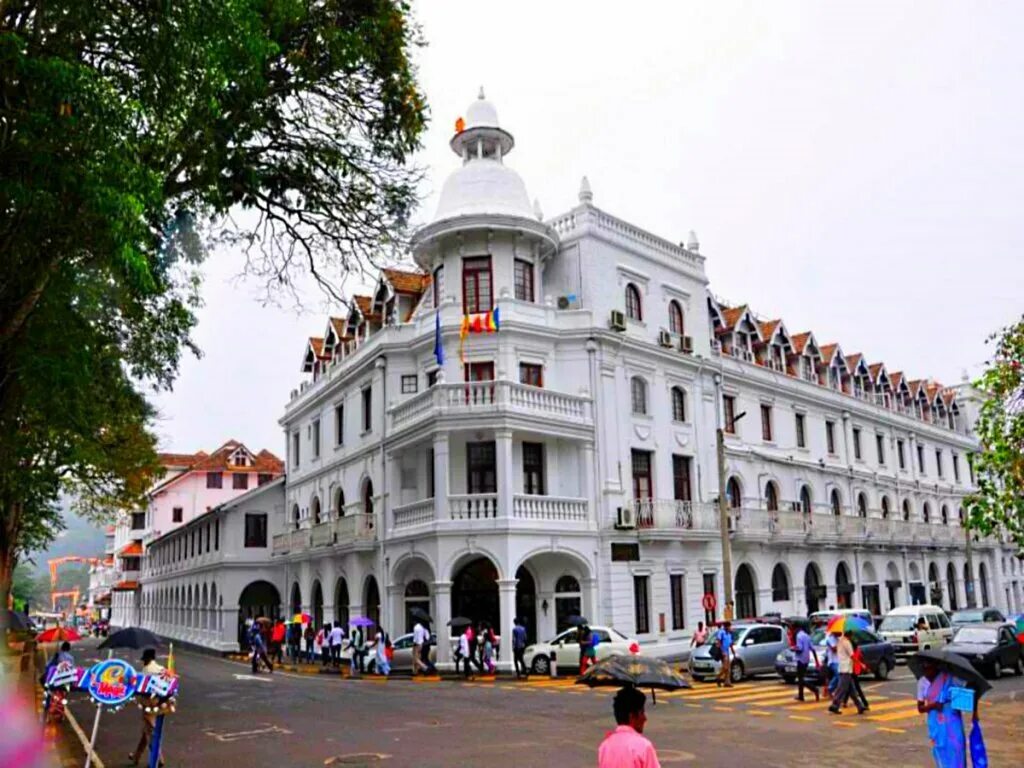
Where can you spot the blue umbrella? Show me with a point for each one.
(361, 621)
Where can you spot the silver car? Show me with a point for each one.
(756, 647)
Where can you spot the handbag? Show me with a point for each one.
(716, 651)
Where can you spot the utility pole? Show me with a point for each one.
(723, 502)
(969, 582)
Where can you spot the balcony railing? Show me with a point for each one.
(671, 514)
(530, 507)
(409, 515)
(488, 396)
(292, 541)
(477, 506)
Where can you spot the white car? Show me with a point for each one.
(402, 645)
(566, 648)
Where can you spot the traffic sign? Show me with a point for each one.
(709, 602)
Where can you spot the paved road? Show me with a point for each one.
(227, 718)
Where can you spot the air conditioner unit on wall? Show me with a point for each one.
(625, 518)
(665, 338)
(617, 321)
(686, 344)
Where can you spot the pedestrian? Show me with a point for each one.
(258, 646)
(588, 653)
(699, 636)
(309, 635)
(489, 642)
(337, 636)
(149, 667)
(419, 638)
(626, 746)
(428, 641)
(859, 668)
(277, 636)
(519, 648)
(803, 651)
(945, 724)
(471, 657)
(832, 662)
(844, 650)
(465, 646)
(724, 638)
(294, 641)
(357, 644)
(323, 643)
(382, 652)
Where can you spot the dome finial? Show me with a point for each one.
(692, 243)
(481, 94)
(586, 194)
(537, 211)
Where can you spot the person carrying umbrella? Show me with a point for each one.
(149, 667)
(939, 673)
(588, 653)
(844, 650)
(626, 746)
(259, 649)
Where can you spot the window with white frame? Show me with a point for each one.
(638, 395)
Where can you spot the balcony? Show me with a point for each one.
(656, 518)
(491, 398)
(484, 510)
(344, 531)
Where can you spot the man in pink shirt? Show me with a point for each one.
(625, 747)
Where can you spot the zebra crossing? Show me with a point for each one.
(888, 713)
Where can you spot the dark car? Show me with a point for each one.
(879, 655)
(990, 647)
(976, 616)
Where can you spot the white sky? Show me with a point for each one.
(858, 172)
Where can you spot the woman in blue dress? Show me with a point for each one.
(945, 724)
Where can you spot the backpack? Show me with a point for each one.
(715, 651)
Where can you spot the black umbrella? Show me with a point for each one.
(132, 637)
(637, 671)
(950, 662)
(419, 613)
(459, 621)
(17, 622)
(576, 621)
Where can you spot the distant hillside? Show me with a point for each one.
(80, 537)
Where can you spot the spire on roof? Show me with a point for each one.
(537, 211)
(586, 194)
(480, 95)
(692, 244)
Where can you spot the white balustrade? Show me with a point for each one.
(416, 513)
(529, 507)
(354, 528)
(475, 506)
(672, 514)
(323, 534)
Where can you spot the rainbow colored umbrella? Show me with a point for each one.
(301, 618)
(844, 623)
(57, 635)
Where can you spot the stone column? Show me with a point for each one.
(396, 602)
(586, 486)
(441, 476)
(507, 610)
(442, 615)
(503, 457)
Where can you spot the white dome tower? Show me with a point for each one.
(483, 193)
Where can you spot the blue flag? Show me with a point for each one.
(979, 755)
(438, 346)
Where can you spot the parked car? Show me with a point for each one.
(976, 616)
(756, 646)
(991, 647)
(566, 648)
(402, 662)
(900, 627)
(879, 655)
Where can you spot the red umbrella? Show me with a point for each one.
(58, 634)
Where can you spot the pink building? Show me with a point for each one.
(191, 485)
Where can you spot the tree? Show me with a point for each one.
(998, 504)
(130, 134)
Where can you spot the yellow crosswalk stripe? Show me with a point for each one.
(899, 715)
(844, 724)
(706, 692)
(823, 704)
(891, 705)
(890, 730)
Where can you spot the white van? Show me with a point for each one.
(901, 628)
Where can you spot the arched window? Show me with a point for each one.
(295, 516)
(638, 394)
(745, 590)
(633, 308)
(339, 502)
(678, 404)
(906, 509)
(885, 507)
(926, 512)
(805, 500)
(733, 493)
(945, 514)
(368, 497)
(780, 584)
(675, 317)
(315, 510)
(568, 601)
(862, 505)
(837, 506)
(771, 497)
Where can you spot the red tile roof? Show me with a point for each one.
(768, 328)
(132, 549)
(125, 586)
(916, 386)
(339, 325)
(173, 460)
(263, 462)
(407, 282)
(852, 361)
(317, 345)
(874, 368)
(800, 341)
(896, 379)
(730, 315)
(827, 351)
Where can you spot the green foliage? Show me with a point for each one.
(129, 134)
(998, 505)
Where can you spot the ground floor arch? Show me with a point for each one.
(893, 585)
(341, 602)
(475, 592)
(317, 604)
(371, 601)
(844, 587)
(745, 592)
(983, 579)
(259, 598)
(870, 589)
(551, 588)
(814, 589)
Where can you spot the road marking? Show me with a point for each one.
(82, 737)
(844, 724)
(802, 718)
(760, 698)
(760, 713)
(892, 705)
(724, 709)
(902, 715)
(890, 730)
(694, 706)
(252, 677)
(825, 701)
(239, 735)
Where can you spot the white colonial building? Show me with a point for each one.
(566, 463)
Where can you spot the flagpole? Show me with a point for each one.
(95, 725)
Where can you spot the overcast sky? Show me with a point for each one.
(858, 172)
